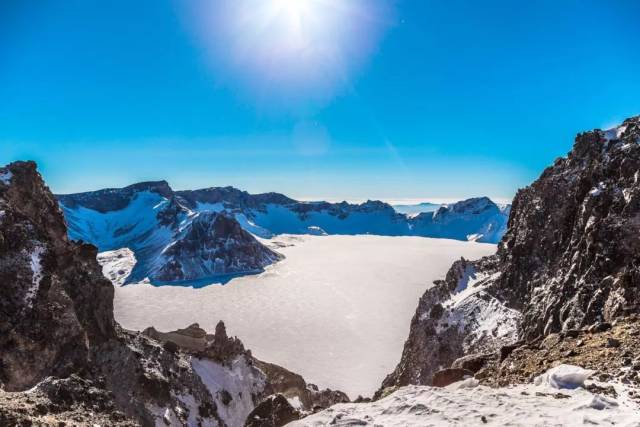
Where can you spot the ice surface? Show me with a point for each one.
(337, 310)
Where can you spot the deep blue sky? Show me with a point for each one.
(445, 99)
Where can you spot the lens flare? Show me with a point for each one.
(296, 48)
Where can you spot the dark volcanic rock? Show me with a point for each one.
(275, 411)
(445, 328)
(570, 259)
(213, 244)
(55, 305)
(444, 377)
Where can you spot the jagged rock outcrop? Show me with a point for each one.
(570, 258)
(611, 350)
(278, 381)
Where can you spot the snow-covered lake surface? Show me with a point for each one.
(337, 310)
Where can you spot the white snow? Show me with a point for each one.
(117, 265)
(137, 222)
(596, 191)
(412, 210)
(468, 404)
(484, 319)
(615, 132)
(35, 258)
(337, 309)
(240, 381)
(295, 402)
(5, 176)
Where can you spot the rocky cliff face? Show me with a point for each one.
(55, 306)
(568, 260)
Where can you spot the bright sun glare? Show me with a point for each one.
(295, 46)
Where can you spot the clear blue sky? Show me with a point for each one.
(380, 99)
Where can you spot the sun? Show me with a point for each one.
(291, 46)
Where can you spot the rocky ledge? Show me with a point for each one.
(291, 397)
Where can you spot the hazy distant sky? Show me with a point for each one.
(327, 99)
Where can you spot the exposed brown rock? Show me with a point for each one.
(444, 377)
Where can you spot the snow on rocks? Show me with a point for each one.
(35, 262)
(564, 377)
(117, 265)
(468, 404)
(233, 388)
(5, 176)
(475, 312)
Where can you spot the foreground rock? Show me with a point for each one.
(302, 398)
(559, 397)
(612, 354)
(569, 260)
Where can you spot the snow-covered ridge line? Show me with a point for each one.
(265, 215)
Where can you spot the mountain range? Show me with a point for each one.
(181, 236)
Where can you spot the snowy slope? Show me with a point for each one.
(555, 399)
(171, 242)
(241, 380)
(477, 219)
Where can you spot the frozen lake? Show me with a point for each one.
(337, 310)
